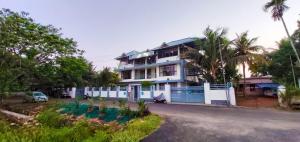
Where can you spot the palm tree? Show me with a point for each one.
(278, 8)
(207, 64)
(244, 52)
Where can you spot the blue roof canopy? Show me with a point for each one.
(267, 85)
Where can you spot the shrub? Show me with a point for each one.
(77, 101)
(143, 109)
(102, 106)
(290, 93)
(122, 103)
(100, 136)
(51, 118)
(90, 105)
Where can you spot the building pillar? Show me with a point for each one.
(168, 93)
(146, 73)
(206, 88)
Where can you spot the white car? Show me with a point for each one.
(36, 97)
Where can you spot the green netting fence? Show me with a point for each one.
(110, 114)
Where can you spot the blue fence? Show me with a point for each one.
(191, 94)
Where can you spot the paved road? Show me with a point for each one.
(186, 123)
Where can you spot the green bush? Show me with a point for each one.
(51, 118)
(290, 93)
(143, 109)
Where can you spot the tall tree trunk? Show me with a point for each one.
(244, 74)
(290, 39)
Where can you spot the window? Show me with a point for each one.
(167, 52)
(151, 73)
(140, 61)
(167, 70)
(126, 75)
(161, 86)
(140, 74)
(174, 84)
(151, 60)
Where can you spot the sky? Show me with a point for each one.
(107, 28)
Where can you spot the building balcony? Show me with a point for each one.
(125, 66)
(168, 59)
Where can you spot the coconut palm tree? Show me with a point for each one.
(278, 8)
(207, 63)
(245, 52)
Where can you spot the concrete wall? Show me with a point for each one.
(218, 95)
(210, 95)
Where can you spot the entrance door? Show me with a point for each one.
(136, 93)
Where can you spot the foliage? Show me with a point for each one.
(278, 8)
(82, 130)
(122, 103)
(137, 129)
(90, 105)
(37, 56)
(77, 101)
(51, 118)
(207, 66)
(106, 78)
(280, 66)
(102, 105)
(143, 109)
(100, 136)
(290, 93)
(146, 83)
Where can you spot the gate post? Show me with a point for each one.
(168, 93)
(73, 92)
(206, 88)
(232, 96)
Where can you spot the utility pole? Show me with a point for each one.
(223, 72)
(293, 71)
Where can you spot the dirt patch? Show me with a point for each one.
(16, 104)
(257, 101)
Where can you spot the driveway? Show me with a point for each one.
(187, 123)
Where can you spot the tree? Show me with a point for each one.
(278, 8)
(35, 55)
(245, 52)
(106, 78)
(259, 65)
(280, 66)
(207, 65)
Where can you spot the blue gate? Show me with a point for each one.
(79, 92)
(190, 94)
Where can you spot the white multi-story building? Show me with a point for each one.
(162, 65)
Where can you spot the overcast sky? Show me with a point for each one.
(107, 28)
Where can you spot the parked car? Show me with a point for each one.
(35, 97)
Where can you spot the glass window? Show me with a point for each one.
(167, 52)
(126, 74)
(167, 70)
(140, 74)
